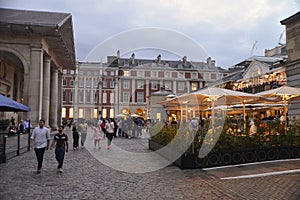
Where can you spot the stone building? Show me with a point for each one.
(123, 85)
(292, 25)
(35, 48)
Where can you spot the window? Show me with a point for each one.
(206, 76)
(112, 73)
(213, 76)
(64, 82)
(72, 72)
(88, 83)
(81, 83)
(88, 73)
(80, 113)
(125, 96)
(95, 97)
(180, 75)
(154, 85)
(71, 96)
(111, 112)
(71, 113)
(95, 84)
(81, 95)
(140, 84)
(104, 97)
(104, 84)
(180, 85)
(140, 97)
(194, 86)
(112, 84)
(168, 85)
(126, 73)
(112, 98)
(194, 75)
(88, 96)
(104, 113)
(126, 84)
(153, 73)
(168, 74)
(65, 71)
(63, 112)
(64, 96)
(95, 113)
(140, 73)
(71, 82)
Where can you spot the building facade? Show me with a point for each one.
(123, 85)
(292, 25)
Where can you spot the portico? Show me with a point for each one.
(35, 47)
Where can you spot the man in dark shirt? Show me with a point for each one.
(60, 141)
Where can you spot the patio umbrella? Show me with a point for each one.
(212, 94)
(121, 115)
(135, 115)
(285, 93)
(7, 104)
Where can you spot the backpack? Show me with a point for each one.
(102, 125)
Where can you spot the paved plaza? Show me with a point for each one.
(86, 177)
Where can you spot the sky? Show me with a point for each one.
(228, 31)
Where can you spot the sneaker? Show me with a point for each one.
(59, 170)
(108, 147)
(38, 171)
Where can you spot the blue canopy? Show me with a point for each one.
(7, 104)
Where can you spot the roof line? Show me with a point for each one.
(63, 21)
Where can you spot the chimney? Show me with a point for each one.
(184, 60)
(213, 63)
(132, 58)
(118, 54)
(208, 61)
(158, 58)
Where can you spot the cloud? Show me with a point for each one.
(225, 29)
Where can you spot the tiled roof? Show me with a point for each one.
(56, 28)
(27, 17)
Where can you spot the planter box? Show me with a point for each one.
(214, 159)
(186, 161)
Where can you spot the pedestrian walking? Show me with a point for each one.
(83, 127)
(98, 134)
(60, 141)
(75, 135)
(40, 140)
(109, 126)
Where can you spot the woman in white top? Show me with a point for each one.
(109, 126)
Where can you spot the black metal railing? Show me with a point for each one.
(14, 145)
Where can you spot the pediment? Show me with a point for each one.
(256, 69)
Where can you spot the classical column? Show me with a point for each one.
(46, 89)
(59, 96)
(35, 89)
(53, 98)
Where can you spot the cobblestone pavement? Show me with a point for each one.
(84, 177)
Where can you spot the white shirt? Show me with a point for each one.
(40, 137)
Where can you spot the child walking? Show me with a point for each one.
(98, 133)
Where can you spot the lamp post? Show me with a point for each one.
(75, 77)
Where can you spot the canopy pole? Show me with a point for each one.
(244, 113)
(285, 113)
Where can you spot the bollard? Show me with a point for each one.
(3, 153)
(18, 148)
(29, 125)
